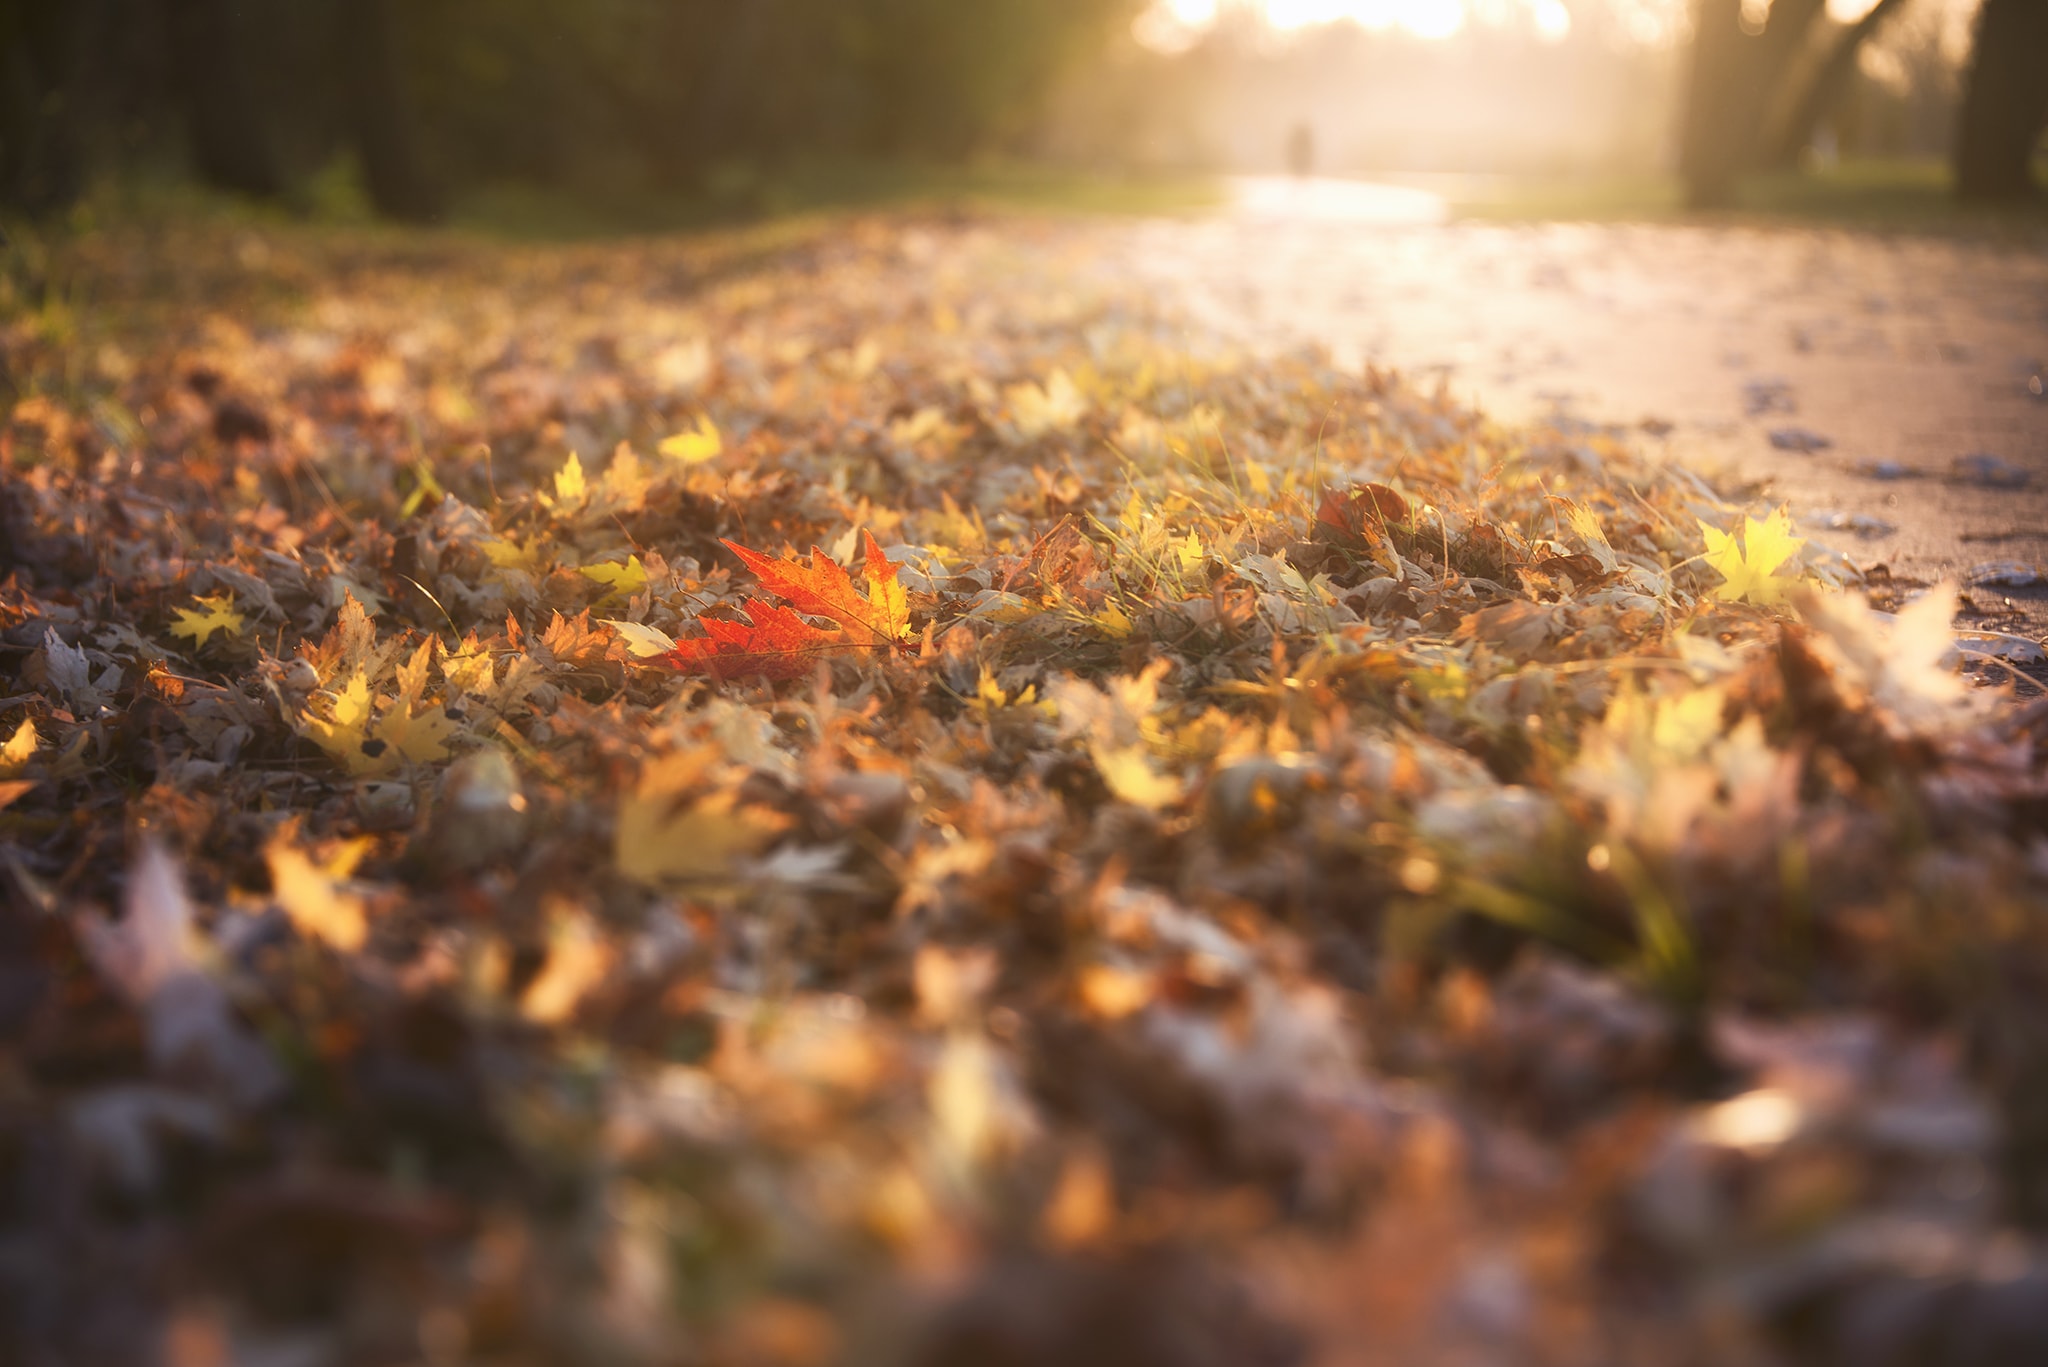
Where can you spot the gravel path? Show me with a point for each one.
(1889, 386)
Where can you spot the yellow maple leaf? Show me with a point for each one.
(578, 959)
(621, 581)
(508, 554)
(571, 488)
(404, 734)
(1588, 529)
(1054, 407)
(418, 734)
(694, 446)
(309, 894)
(624, 482)
(1129, 775)
(470, 669)
(1750, 572)
(665, 836)
(19, 750)
(216, 613)
(886, 595)
(344, 730)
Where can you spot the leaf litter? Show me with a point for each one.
(875, 798)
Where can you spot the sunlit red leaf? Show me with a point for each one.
(774, 644)
(823, 588)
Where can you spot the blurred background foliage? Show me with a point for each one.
(430, 98)
(409, 107)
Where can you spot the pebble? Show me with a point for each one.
(1863, 524)
(1988, 471)
(2007, 574)
(1804, 440)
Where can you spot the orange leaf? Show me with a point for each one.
(821, 587)
(775, 644)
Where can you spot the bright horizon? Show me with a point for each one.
(1430, 19)
(1172, 22)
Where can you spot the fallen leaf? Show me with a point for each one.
(1130, 776)
(571, 488)
(696, 445)
(151, 956)
(821, 587)
(1749, 572)
(643, 642)
(217, 613)
(668, 833)
(19, 750)
(1363, 513)
(621, 581)
(578, 959)
(1053, 407)
(311, 897)
(774, 643)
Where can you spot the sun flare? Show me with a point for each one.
(1423, 18)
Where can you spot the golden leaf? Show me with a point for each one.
(1131, 777)
(578, 958)
(19, 750)
(571, 489)
(696, 445)
(665, 835)
(308, 893)
(217, 613)
(403, 734)
(1750, 572)
(620, 581)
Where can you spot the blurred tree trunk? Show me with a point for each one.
(230, 139)
(380, 114)
(727, 122)
(1737, 76)
(1709, 156)
(1823, 90)
(2005, 101)
(42, 161)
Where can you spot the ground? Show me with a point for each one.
(1223, 854)
(1845, 368)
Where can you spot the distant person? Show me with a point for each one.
(1301, 151)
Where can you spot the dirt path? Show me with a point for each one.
(1850, 371)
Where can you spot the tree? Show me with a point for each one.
(231, 147)
(2005, 102)
(1823, 90)
(42, 54)
(380, 114)
(1760, 87)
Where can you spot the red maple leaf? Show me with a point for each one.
(883, 617)
(774, 642)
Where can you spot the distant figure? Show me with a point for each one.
(1301, 151)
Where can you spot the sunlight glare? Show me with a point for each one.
(1172, 24)
(1423, 18)
(1553, 20)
